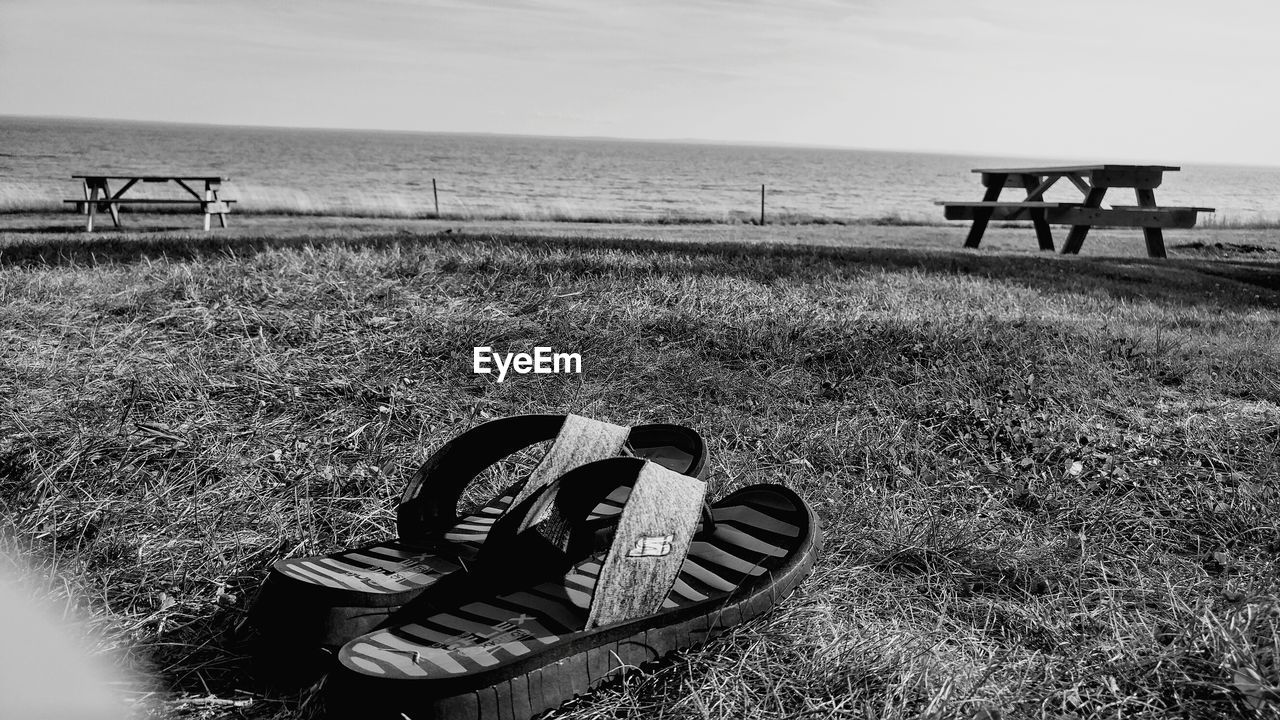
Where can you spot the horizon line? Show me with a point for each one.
(673, 141)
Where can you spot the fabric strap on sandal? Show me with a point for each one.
(650, 539)
(430, 500)
(580, 441)
(649, 547)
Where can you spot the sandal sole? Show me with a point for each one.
(548, 687)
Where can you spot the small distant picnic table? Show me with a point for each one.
(98, 195)
(1092, 181)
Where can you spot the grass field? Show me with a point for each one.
(1048, 484)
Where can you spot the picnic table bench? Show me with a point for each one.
(1092, 181)
(98, 195)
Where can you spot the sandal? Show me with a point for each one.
(321, 602)
(547, 614)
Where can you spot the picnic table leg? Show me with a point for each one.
(84, 208)
(211, 192)
(112, 208)
(90, 206)
(1075, 238)
(982, 215)
(1153, 235)
(115, 207)
(1043, 234)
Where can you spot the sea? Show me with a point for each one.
(472, 176)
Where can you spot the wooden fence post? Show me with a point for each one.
(435, 195)
(762, 204)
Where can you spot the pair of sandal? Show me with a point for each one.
(605, 557)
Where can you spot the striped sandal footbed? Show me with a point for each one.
(525, 651)
(393, 571)
(338, 596)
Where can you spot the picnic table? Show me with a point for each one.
(98, 195)
(1092, 181)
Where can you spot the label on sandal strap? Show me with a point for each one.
(652, 546)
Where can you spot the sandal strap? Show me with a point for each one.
(581, 440)
(520, 551)
(429, 504)
(655, 530)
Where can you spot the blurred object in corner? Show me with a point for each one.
(44, 673)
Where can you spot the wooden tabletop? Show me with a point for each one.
(1072, 169)
(152, 178)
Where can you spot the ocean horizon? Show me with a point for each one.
(390, 173)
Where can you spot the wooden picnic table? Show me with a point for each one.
(98, 195)
(1092, 181)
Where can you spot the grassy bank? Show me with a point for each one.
(1048, 485)
(405, 211)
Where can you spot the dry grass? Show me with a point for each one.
(1048, 485)
(401, 209)
(1256, 221)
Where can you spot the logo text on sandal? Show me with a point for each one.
(652, 546)
(509, 630)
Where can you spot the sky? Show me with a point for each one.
(1167, 81)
